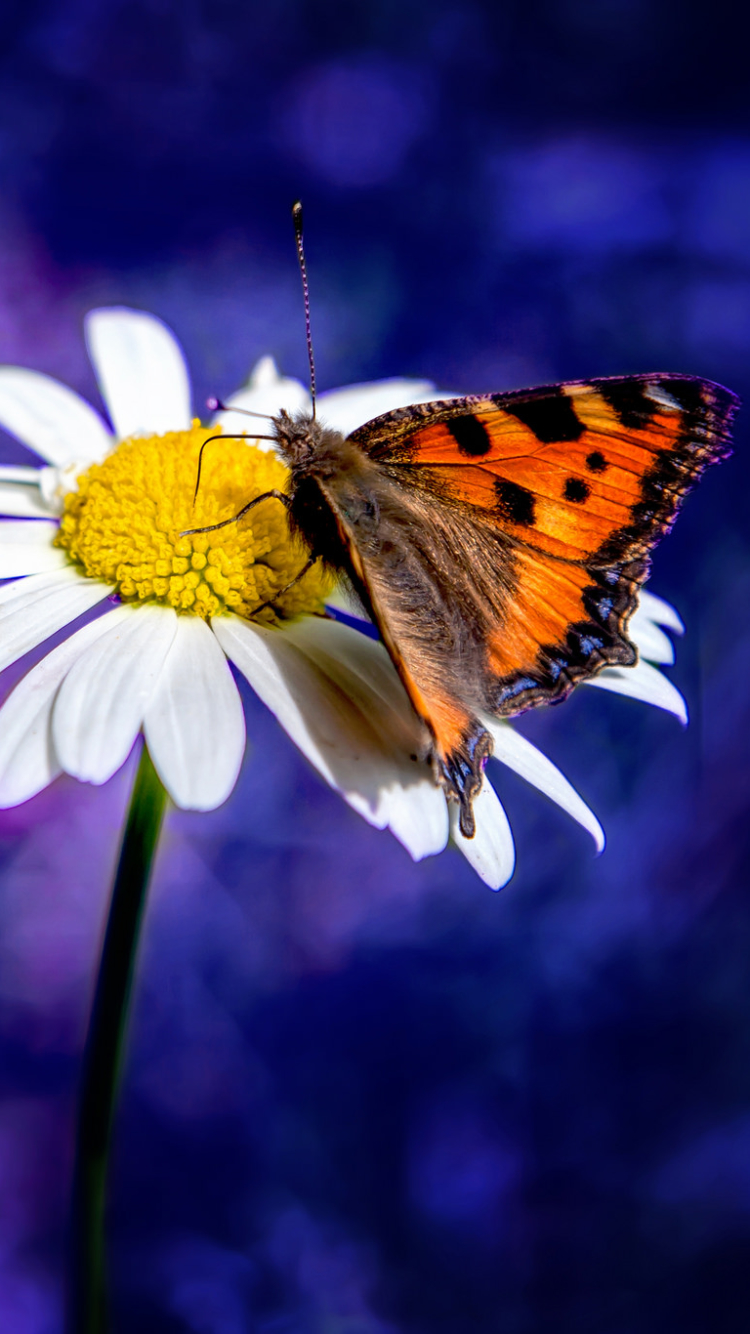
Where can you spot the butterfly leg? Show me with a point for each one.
(307, 566)
(212, 527)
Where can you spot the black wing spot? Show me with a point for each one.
(470, 435)
(551, 418)
(596, 462)
(629, 400)
(576, 490)
(690, 395)
(514, 503)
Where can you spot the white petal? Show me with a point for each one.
(33, 609)
(100, 707)
(194, 724)
(34, 558)
(18, 472)
(26, 548)
(28, 533)
(490, 852)
(651, 642)
(141, 372)
(414, 811)
(337, 695)
(265, 372)
(19, 589)
(645, 683)
(50, 418)
(524, 759)
(663, 613)
(361, 670)
(346, 409)
(24, 502)
(266, 392)
(28, 761)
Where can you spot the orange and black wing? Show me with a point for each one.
(529, 518)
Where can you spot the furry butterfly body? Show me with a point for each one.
(499, 541)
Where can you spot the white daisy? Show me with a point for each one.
(157, 661)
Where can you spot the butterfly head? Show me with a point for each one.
(306, 445)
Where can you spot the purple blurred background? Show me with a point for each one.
(363, 1096)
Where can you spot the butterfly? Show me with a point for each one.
(498, 541)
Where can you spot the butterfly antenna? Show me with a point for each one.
(297, 216)
(215, 404)
(211, 438)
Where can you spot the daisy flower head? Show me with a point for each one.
(101, 524)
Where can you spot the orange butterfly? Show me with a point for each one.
(499, 541)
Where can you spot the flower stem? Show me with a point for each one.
(87, 1309)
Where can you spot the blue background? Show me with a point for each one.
(364, 1096)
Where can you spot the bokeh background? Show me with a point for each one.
(364, 1096)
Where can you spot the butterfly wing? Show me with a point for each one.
(510, 534)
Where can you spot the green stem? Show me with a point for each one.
(103, 1053)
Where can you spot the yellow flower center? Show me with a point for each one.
(123, 526)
